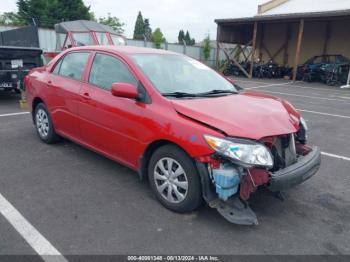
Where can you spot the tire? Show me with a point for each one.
(44, 125)
(160, 181)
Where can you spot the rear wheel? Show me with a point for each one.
(174, 179)
(44, 125)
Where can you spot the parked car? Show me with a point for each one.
(175, 121)
(336, 74)
(315, 68)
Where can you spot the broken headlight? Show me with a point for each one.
(245, 152)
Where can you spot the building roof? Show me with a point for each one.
(82, 26)
(290, 16)
(296, 9)
(308, 6)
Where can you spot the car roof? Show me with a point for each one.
(127, 50)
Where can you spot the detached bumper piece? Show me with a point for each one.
(237, 211)
(295, 174)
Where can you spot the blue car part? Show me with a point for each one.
(226, 180)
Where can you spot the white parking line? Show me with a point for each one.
(336, 156)
(33, 237)
(255, 87)
(322, 113)
(344, 97)
(333, 90)
(313, 97)
(248, 81)
(15, 114)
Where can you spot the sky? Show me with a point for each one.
(197, 16)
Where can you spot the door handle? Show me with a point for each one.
(49, 83)
(86, 96)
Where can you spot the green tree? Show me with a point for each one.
(193, 41)
(139, 30)
(181, 37)
(148, 30)
(113, 22)
(49, 12)
(9, 18)
(206, 47)
(158, 38)
(186, 37)
(93, 16)
(32, 9)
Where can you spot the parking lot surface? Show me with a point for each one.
(83, 203)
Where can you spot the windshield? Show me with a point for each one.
(181, 74)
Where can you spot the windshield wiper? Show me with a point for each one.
(217, 91)
(204, 94)
(179, 94)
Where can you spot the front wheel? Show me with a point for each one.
(174, 179)
(44, 125)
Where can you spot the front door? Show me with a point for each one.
(110, 123)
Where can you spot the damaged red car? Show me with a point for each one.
(193, 133)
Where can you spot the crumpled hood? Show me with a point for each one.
(248, 114)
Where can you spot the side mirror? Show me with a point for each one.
(125, 90)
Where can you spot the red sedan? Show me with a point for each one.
(194, 134)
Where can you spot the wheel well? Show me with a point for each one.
(36, 101)
(207, 190)
(144, 160)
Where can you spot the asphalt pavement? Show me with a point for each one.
(82, 203)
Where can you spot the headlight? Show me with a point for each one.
(243, 151)
(13, 76)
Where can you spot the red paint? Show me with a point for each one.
(122, 128)
(254, 177)
(124, 90)
(248, 115)
(302, 149)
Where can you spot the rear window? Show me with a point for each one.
(72, 65)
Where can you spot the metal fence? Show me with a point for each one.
(47, 41)
(195, 52)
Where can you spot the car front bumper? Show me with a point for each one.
(295, 174)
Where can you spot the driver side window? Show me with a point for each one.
(106, 70)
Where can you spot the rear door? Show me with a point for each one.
(64, 84)
(110, 124)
